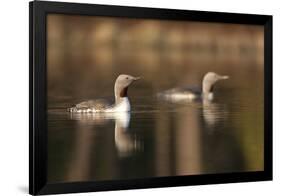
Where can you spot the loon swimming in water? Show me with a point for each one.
(187, 94)
(121, 104)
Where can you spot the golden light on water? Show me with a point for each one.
(85, 54)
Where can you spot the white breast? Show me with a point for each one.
(210, 96)
(207, 97)
(123, 106)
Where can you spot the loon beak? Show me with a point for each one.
(136, 78)
(224, 77)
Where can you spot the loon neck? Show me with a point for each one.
(207, 91)
(207, 88)
(120, 94)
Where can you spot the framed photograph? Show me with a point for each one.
(131, 97)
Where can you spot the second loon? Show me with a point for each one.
(187, 94)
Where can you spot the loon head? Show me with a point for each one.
(209, 80)
(122, 83)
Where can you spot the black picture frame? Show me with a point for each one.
(38, 105)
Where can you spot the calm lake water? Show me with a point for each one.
(85, 54)
(158, 138)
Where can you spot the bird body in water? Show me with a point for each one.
(122, 103)
(187, 94)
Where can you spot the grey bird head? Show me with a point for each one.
(122, 83)
(210, 79)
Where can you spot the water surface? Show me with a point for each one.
(85, 54)
(157, 139)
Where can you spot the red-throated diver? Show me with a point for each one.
(122, 103)
(186, 94)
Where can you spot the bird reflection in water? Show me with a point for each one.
(125, 142)
(213, 113)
